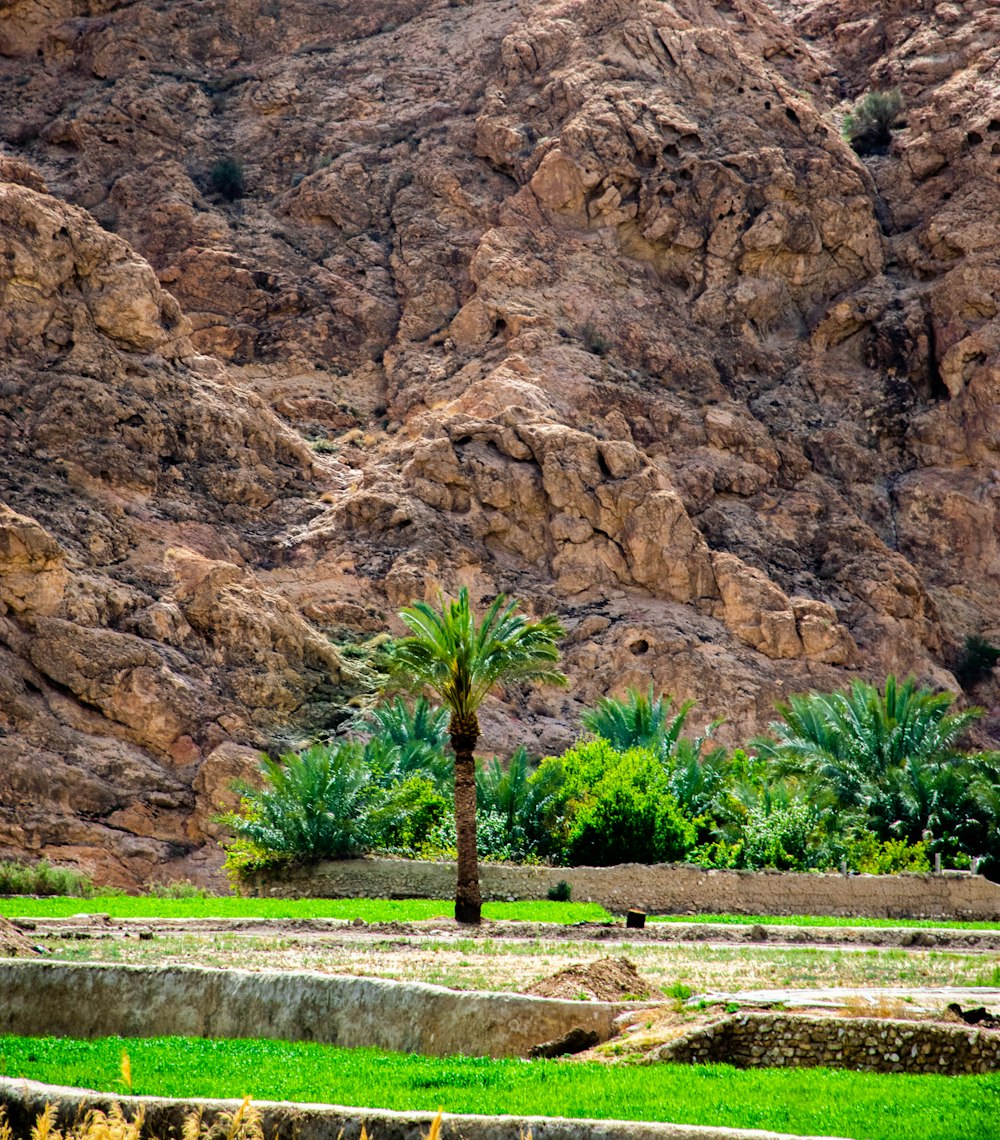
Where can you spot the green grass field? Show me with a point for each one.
(371, 910)
(405, 910)
(866, 1106)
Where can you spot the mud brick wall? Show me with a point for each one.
(659, 889)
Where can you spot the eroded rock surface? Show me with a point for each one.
(589, 302)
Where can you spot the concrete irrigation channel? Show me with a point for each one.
(164, 1117)
(91, 1000)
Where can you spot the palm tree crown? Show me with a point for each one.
(638, 720)
(462, 662)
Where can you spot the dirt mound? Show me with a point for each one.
(13, 943)
(607, 979)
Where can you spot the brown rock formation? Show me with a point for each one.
(589, 302)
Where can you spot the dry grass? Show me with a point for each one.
(506, 964)
(243, 1124)
(878, 1005)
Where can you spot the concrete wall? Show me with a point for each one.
(90, 1000)
(24, 1100)
(660, 889)
(771, 1040)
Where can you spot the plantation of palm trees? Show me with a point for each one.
(871, 779)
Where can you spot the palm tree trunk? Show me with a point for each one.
(468, 903)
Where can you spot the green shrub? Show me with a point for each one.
(621, 810)
(561, 892)
(869, 126)
(316, 804)
(227, 179)
(413, 810)
(865, 853)
(976, 661)
(783, 839)
(41, 878)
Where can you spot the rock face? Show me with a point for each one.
(587, 302)
(140, 653)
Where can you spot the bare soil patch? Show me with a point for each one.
(13, 944)
(607, 979)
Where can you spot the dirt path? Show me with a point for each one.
(438, 930)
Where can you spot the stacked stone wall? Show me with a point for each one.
(770, 1040)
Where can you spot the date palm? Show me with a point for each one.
(638, 720)
(461, 661)
(891, 756)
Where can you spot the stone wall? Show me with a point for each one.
(778, 1040)
(90, 1000)
(24, 1100)
(660, 889)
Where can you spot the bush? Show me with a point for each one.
(226, 178)
(782, 839)
(561, 892)
(41, 878)
(315, 804)
(976, 661)
(620, 808)
(413, 810)
(869, 126)
(866, 854)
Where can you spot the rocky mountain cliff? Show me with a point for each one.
(585, 300)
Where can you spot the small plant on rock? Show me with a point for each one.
(868, 128)
(226, 178)
(976, 661)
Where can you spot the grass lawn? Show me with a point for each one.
(866, 1106)
(371, 910)
(407, 910)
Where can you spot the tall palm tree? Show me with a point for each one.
(461, 662)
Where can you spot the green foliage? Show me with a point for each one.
(782, 838)
(890, 761)
(621, 809)
(976, 661)
(227, 178)
(561, 892)
(865, 853)
(880, 1106)
(639, 720)
(525, 800)
(414, 810)
(869, 126)
(461, 660)
(316, 804)
(404, 740)
(41, 878)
